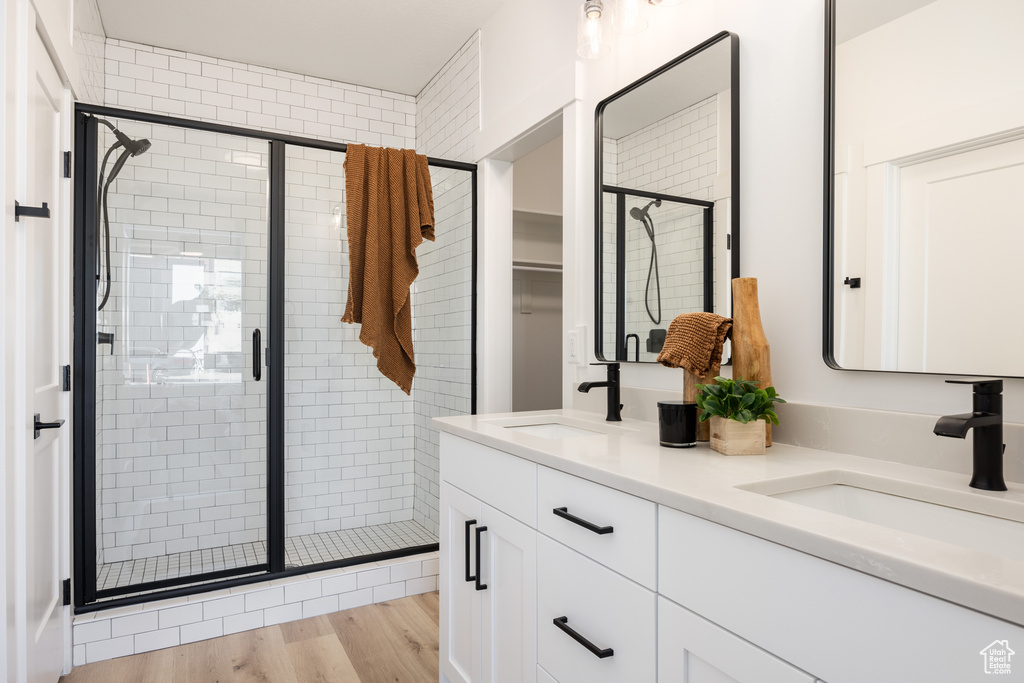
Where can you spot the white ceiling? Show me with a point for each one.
(395, 45)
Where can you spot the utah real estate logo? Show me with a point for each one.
(997, 657)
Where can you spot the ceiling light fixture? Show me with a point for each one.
(593, 30)
(631, 19)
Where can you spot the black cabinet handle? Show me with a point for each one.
(257, 355)
(470, 577)
(589, 526)
(563, 623)
(479, 586)
(31, 211)
(39, 426)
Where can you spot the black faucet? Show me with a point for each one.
(614, 407)
(987, 422)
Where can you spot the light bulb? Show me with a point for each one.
(592, 30)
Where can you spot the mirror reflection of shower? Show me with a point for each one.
(132, 148)
(644, 217)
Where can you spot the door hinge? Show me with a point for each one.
(67, 592)
(67, 164)
(728, 241)
(66, 372)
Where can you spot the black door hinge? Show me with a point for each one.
(67, 164)
(67, 592)
(728, 241)
(66, 372)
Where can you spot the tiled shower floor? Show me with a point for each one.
(299, 551)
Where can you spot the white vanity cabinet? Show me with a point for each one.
(643, 593)
(488, 567)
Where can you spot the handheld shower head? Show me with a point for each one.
(133, 147)
(639, 214)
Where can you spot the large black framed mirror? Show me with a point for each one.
(924, 166)
(667, 209)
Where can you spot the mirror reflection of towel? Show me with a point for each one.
(694, 342)
(390, 206)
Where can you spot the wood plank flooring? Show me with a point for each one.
(390, 642)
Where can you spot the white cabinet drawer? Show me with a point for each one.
(602, 607)
(693, 650)
(503, 481)
(629, 523)
(808, 611)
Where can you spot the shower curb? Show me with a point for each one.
(123, 631)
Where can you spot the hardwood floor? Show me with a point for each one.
(390, 642)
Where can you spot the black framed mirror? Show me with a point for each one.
(667, 208)
(924, 164)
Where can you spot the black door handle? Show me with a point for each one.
(39, 426)
(479, 586)
(257, 355)
(31, 211)
(589, 526)
(469, 577)
(600, 653)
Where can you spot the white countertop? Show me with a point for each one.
(628, 457)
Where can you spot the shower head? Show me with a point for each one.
(639, 214)
(133, 147)
(137, 147)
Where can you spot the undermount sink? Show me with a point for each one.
(554, 426)
(977, 522)
(552, 430)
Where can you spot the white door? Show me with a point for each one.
(460, 601)
(37, 343)
(508, 568)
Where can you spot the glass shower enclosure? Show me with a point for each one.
(228, 425)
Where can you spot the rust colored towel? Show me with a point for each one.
(390, 206)
(694, 342)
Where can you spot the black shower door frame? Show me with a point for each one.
(85, 235)
(707, 241)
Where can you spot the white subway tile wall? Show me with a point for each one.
(677, 155)
(448, 126)
(152, 626)
(154, 79)
(89, 44)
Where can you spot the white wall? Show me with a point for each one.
(781, 109)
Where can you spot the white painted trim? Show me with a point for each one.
(494, 334)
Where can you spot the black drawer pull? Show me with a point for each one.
(470, 577)
(479, 586)
(564, 514)
(44, 425)
(563, 623)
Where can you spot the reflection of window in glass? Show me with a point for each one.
(190, 328)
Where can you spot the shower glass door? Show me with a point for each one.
(181, 387)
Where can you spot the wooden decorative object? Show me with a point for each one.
(751, 356)
(690, 382)
(730, 437)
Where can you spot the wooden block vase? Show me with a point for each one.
(730, 437)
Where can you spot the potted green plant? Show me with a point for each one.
(738, 411)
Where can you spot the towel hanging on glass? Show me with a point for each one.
(390, 208)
